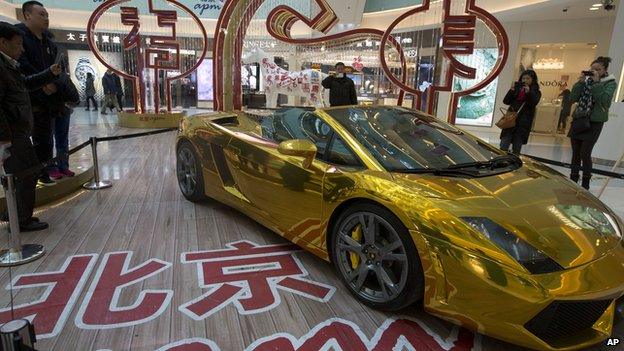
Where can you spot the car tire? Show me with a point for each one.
(189, 172)
(360, 267)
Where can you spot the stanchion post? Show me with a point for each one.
(96, 184)
(17, 335)
(615, 166)
(17, 253)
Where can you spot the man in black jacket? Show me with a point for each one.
(341, 88)
(110, 92)
(16, 122)
(40, 53)
(120, 92)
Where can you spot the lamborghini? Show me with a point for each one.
(409, 209)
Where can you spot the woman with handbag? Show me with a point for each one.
(594, 93)
(522, 99)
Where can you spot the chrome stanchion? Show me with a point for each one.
(17, 335)
(96, 184)
(17, 253)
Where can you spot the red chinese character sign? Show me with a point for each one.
(231, 29)
(153, 55)
(459, 25)
(463, 26)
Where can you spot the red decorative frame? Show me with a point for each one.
(282, 18)
(503, 47)
(137, 81)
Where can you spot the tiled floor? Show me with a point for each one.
(93, 299)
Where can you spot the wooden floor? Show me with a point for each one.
(145, 219)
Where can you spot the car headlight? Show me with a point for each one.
(534, 260)
(591, 219)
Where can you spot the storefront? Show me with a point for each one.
(558, 66)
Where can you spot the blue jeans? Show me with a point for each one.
(61, 138)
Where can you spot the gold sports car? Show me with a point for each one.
(410, 209)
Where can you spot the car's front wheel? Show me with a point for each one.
(376, 258)
(189, 173)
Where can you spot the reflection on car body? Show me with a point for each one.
(410, 209)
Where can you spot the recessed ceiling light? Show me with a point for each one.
(597, 5)
(538, 46)
(594, 9)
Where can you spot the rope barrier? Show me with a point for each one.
(36, 170)
(567, 165)
(136, 135)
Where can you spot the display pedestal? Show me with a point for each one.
(150, 120)
(63, 188)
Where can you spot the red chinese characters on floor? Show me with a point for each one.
(339, 334)
(101, 309)
(249, 276)
(62, 290)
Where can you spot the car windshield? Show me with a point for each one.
(404, 140)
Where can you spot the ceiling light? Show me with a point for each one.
(597, 5)
(594, 9)
(548, 63)
(537, 46)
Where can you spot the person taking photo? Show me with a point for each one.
(594, 93)
(341, 88)
(523, 98)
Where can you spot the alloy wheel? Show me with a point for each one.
(371, 257)
(187, 171)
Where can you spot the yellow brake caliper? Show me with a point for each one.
(356, 234)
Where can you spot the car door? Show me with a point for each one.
(277, 186)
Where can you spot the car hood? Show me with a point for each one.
(535, 203)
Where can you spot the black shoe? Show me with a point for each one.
(585, 182)
(46, 180)
(574, 177)
(33, 226)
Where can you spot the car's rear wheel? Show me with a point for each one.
(189, 173)
(376, 258)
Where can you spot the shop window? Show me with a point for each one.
(557, 66)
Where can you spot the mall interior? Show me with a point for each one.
(212, 178)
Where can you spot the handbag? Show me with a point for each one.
(582, 114)
(580, 122)
(509, 118)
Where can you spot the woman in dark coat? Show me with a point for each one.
(90, 91)
(523, 97)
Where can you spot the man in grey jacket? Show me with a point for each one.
(16, 122)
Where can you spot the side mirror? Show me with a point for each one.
(300, 148)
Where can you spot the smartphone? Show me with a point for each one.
(588, 73)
